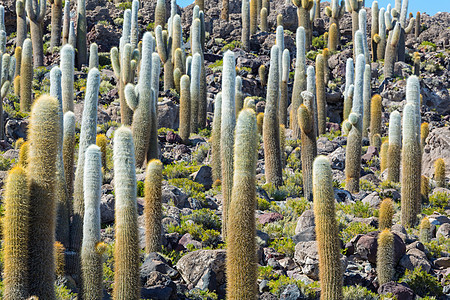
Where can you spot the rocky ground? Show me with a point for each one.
(192, 263)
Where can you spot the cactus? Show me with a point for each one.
(8, 67)
(335, 13)
(201, 4)
(91, 260)
(21, 23)
(228, 121)
(195, 91)
(286, 62)
(393, 163)
(386, 214)
(374, 31)
(366, 99)
(425, 230)
(241, 260)
(416, 59)
(81, 57)
(68, 150)
(36, 12)
(262, 75)
(264, 26)
(245, 36)
(55, 38)
(215, 139)
(126, 265)
(160, 13)
(23, 155)
(311, 87)
(299, 81)
(253, 16)
(309, 146)
(320, 94)
(271, 130)
(279, 41)
(101, 141)
(66, 23)
(152, 207)
(417, 25)
(385, 257)
(224, 15)
(15, 234)
(153, 151)
(134, 37)
(93, 56)
(239, 96)
(391, 51)
(72, 40)
(330, 267)
(424, 131)
(439, 172)
(198, 36)
(279, 20)
(349, 80)
(353, 151)
(260, 122)
(375, 117)
(266, 5)
(354, 7)
(67, 69)
(140, 99)
(60, 264)
(380, 37)
(384, 155)
(43, 135)
(185, 109)
(303, 8)
(26, 77)
(88, 133)
(18, 57)
(363, 30)
(333, 37)
(424, 188)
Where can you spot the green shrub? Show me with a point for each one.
(308, 291)
(422, 283)
(232, 45)
(179, 170)
(262, 204)
(318, 42)
(198, 294)
(357, 209)
(140, 189)
(436, 248)
(366, 185)
(200, 153)
(266, 272)
(284, 245)
(355, 228)
(210, 238)
(298, 205)
(191, 188)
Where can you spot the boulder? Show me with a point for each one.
(367, 245)
(415, 258)
(444, 231)
(400, 290)
(305, 220)
(437, 146)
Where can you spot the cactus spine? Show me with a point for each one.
(384, 156)
(241, 252)
(375, 118)
(55, 39)
(303, 8)
(425, 230)
(353, 151)
(394, 150)
(271, 129)
(380, 40)
(195, 91)
(374, 30)
(253, 16)
(153, 150)
(299, 81)
(239, 96)
(439, 172)
(386, 214)
(286, 62)
(43, 134)
(81, 33)
(67, 69)
(160, 13)
(185, 108)
(21, 23)
(334, 12)
(363, 30)
(68, 150)
(15, 234)
(215, 139)
(36, 12)
(264, 25)
(93, 56)
(126, 266)
(66, 23)
(366, 99)
(391, 51)
(320, 94)
(309, 146)
(246, 25)
(228, 121)
(385, 257)
(152, 208)
(26, 77)
(330, 268)
(101, 141)
(348, 92)
(91, 260)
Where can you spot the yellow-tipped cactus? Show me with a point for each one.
(333, 37)
(386, 214)
(424, 131)
(327, 231)
(60, 262)
(260, 122)
(394, 150)
(241, 263)
(23, 154)
(425, 230)
(160, 13)
(185, 108)
(102, 141)
(262, 75)
(26, 76)
(215, 139)
(439, 172)
(43, 135)
(384, 155)
(385, 257)
(152, 206)
(375, 118)
(264, 25)
(320, 94)
(15, 234)
(253, 16)
(303, 8)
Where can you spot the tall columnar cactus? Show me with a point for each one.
(185, 109)
(386, 214)
(55, 38)
(264, 26)
(375, 117)
(102, 141)
(36, 13)
(228, 121)
(126, 266)
(366, 99)
(93, 56)
(88, 133)
(349, 80)
(330, 267)
(354, 140)
(385, 257)
(66, 23)
(26, 76)
(72, 40)
(374, 30)
(245, 35)
(153, 148)
(303, 8)
(299, 81)
(271, 129)
(393, 163)
(239, 96)
(425, 230)
(68, 150)
(160, 13)
(311, 87)
(424, 131)
(165, 53)
(140, 99)
(309, 146)
(363, 29)
(67, 69)
(43, 135)
(15, 234)
(195, 91)
(424, 188)
(286, 63)
(353, 7)
(8, 68)
(224, 14)
(81, 33)
(215, 138)
(153, 206)
(335, 12)
(417, 25)
(333, 37)
(253, 16)
(416, 60)
(320, 94)
(241, 248)
(279, 41)
(439, 172)
(18, 57)
(91, 259)
(134, 37)
(391, 51)
(380, 38)
(384, 155)
(23, 155)
(21, 23)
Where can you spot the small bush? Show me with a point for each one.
(262, 204)
(355, 228)
(357, 209)
(284, 245)
(422, 283)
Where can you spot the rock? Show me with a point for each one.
(157, 292)
(262, 238)
(437, 146)
(372, 199)
(194, 265)
(438, 219)
(173, 138)
(306, 235)
(173, 195)
(187, 239)
(415, 258)
(343, 196)
(11, 154)
(264, 286)
(337, 158)
(307, 257)
(16, 129)
(325, 146)
(390, 193)
(290, 292)
(268, 296)
(269, 218)
(400, 290)
(107, 208)
(370, 154)
(287, 263)
(203, 176)
(168, 114)
(208, 281)
(444, 231)
(366, 247)
(155, 262)
(442, 262)
(305, 220)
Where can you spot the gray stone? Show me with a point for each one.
(444, 231)
(203, 176)
(107, 208)
(305, 220)
(415, 258)
(442, 262)
(168, 114)
(290, 292)
(400, 290)
(337, 158)
(264, 286)
(372, 199)
(306, 235)
(437, 146)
